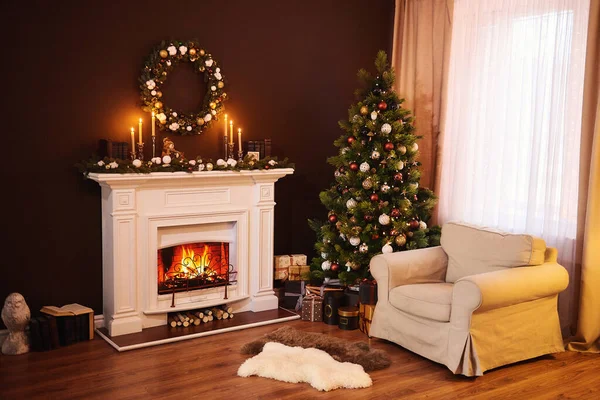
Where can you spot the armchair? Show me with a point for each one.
(482, 299)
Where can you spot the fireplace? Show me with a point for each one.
(174, 242)
(193, 266)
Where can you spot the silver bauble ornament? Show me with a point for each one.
(386, 128)
(400, 165)
(324, 255)
(402, 149)
(364, 167)
(337, 174)
(363, 248)
(326, 265)
(384, 219)
(422, 225)
(354, 241)
(350, 204)
(414, 148)
(387, 249)
(375, 155)
(209, 166)
(374, 115)
(414, 185)
(367, 184)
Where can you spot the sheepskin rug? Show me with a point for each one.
(296, 364)
(341, 350)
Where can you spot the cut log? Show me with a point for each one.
(225, 315)
(205, 319)
(172, 322)
(179, 323)
(227, 309)
(182, 317)
(210, 317)
(230, 316)
(191, 316)
(217, 312)
(200, 314)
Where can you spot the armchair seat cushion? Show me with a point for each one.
(427, 300)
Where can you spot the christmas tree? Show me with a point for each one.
(375, 204)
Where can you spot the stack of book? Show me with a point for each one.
(61, 326)
(110, 149)
(263, 147)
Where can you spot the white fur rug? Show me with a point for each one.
(295, 364)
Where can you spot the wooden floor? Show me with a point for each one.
(206, 368)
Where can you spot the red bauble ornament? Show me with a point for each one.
(382, 105)
(368, 218)
(375, 236)
(335, 266)
(395, 213)
(351, 139)
(354, 166)
(394, 232)
(344, 190)
(333, 218)
(374, 197)
(398, 176)
(414, 224)
(267, 166)
(389, 146)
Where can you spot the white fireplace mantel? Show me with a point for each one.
(140, 209)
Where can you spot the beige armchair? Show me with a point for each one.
(482, 299)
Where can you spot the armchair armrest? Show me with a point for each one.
(491, 290)
(407, 267)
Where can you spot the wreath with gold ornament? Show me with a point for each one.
(163, 59)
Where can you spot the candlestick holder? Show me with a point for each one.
(230, 147)
(132, 154)
(225, 146)
(240, 155)
(153, 146)
(140, 153)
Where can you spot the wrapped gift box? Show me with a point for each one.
(299, 272)
(367, 292)
(281, 273)
(290, 259)
(292, 290)
(312, 308)
(365, 314)
(351, 296)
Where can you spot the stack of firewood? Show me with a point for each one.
(197, 317)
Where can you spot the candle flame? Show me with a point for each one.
(132, 129)
(239, 130)
(140, 120)
(153, 114)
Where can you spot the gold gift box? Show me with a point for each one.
(365, 314)
(299, 272)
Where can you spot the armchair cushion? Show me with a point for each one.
(473, 250)
(427, 300)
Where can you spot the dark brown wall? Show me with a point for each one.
(69, 78)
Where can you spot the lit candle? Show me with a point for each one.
(141, 131)
(153, 123)
(132, 141)
(231, 131)
(240, 139)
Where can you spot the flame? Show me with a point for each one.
(193, 263)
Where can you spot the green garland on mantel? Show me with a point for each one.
(171, 164)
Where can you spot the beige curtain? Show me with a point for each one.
(587, 337)
(420, 57)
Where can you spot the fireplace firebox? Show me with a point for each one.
(193, 266)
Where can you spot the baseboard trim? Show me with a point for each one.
(99, 321)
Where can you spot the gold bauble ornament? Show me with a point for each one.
(220, 85)
(163, 121)
(201, 69)
(212, 105)
(158, 104)
(202, 52)
(402, 149)
(164, 53)
(159, 94)
(355, 266)
(200, 121)
(364, 110)
(192, 52)
(401, 240)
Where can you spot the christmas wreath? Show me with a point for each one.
(161, 62)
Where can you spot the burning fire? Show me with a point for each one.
(192, 263)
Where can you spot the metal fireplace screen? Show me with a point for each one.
(193, 266)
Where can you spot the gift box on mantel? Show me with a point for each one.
(312, 308)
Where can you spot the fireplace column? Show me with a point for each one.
(119, 260)
(261, 248)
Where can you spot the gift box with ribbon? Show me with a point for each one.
(367, 292)
(365, 315)
(292, 294)
(299, 272)
(312, 308)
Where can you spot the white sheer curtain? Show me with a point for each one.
(513, 120)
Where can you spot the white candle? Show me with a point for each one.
(225, 134)
(132, 141)
(153, 123)
(240, 138)
(141, 131)
(231, 131)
